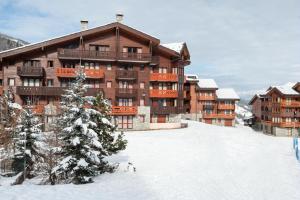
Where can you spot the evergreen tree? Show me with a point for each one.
(28, 157)
(86, 133)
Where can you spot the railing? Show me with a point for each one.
(88, 54)
(51, 91)
(30, 71)
(156, 93)
(206, 98)
(142, 57)
(218, 116)
(126, 92)
(71, 72)
(123, 110)
(125, 74)
(290, 114)
(163, 110)
(290, 104)
(168, 77)
(208, 107)
(226, 107)
(289, 124)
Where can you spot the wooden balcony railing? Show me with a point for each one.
(126, 75)
(206, 98)
(123, 110)
(30, 71)
(51, 91)
(71, 72)
(104, 55)
(140, 57)
(86, 54)
(156, 93)
(166, 77)
(218, 116)
(293, 104)
(126, 92)
(163, 110)
(289, 124)
(226, 107)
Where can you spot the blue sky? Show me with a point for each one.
(247, 45)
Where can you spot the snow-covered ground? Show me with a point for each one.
(199, 162)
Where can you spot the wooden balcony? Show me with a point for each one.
(135, 57)
(104, 55)
(30, 71)
(164, 110)
(291, 104)
(290, 114)
(226, 107)
(164, 77)
(126, 75)
(206, 98)
(51, 91)
(218, 116)
(86, 54)
(289, 124)
(156, 93)
(123, 110)
(126, 93)
(71, 73)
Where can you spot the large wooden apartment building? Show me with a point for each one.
(205, 102)
(277, 110)
(142, 78)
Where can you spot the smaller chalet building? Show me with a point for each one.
(277, 110)
(205, 102)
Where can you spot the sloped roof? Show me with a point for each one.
(75, 35)
(286, 89)
(227, 93)
(177, 46)
(191, 77)
(207, 84)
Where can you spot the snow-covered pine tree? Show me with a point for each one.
(111, 141)
(81, 147)
(29, 144)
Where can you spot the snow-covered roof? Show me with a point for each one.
(177, 46)
(207, 83)
(191, 77)
(227, 93)
(287, 89)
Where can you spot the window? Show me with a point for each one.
(50, 63)
(101, 48)
(31, 82)
(142, 67)
(32, 63)
(142, 85)
(49, 82)
(125, 102)
(108, 67)
(142, 102)
(162, 70)
(1, 82)
(11, 82)
(108, 84)
(125, 122)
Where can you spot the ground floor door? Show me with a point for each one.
(125, 122)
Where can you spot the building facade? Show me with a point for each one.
(277, 111)
(142, 78)
(205, 102)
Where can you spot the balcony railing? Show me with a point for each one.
(289, 124)
(218, 116)
(208, 107)
(126, 75)
(123, 110)
(86, 54)
(126, 92)
(166, 77)
(226, 107)
(206, 98)
(30, 71)
(139, 57)
(104, 55)
(71, 72)
(290, 104)
(51, 91)
(164, 110)
(156, 93)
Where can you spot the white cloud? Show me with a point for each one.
(244, 44)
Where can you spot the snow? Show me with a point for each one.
(191, 77)
(177, 46)
(227, 93)
(207, 83)
(287, 89)
(199, 162)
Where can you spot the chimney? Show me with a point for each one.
(119, 17)
(84, 25)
